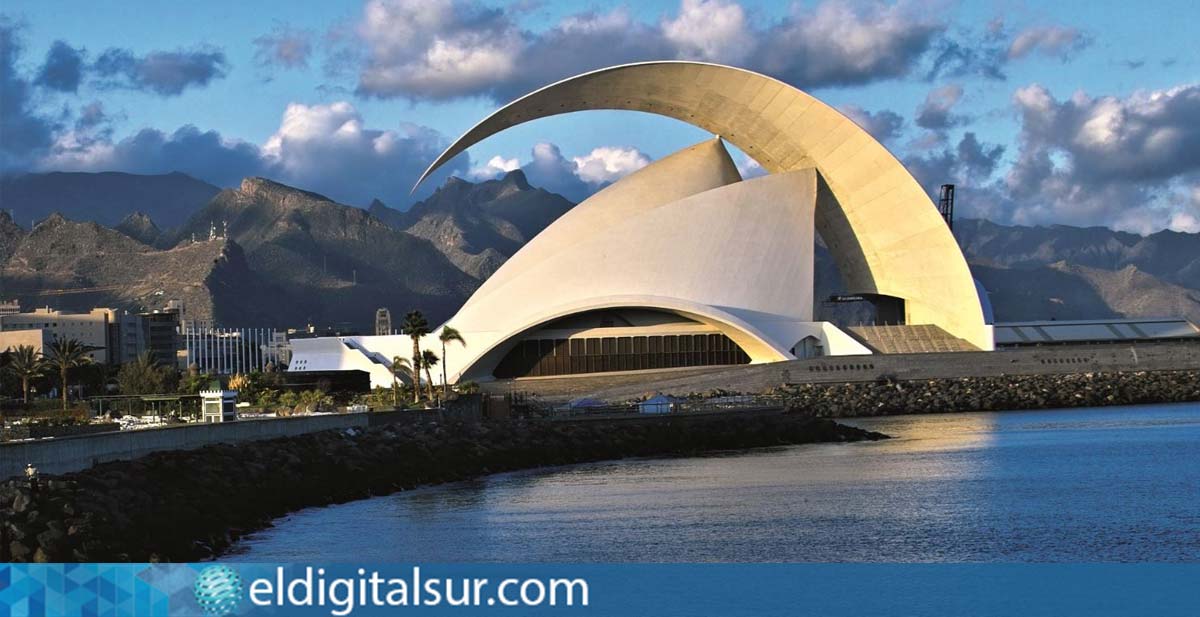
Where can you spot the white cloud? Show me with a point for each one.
(1054, 41)
(436, 49)
(608, 164)
(443, 49)
(1188, 222)
(712, 30)
(1148, 135)
(327, 148)
(495, 167)
(839, 42)
(1106, 160)
(577, 177)
(322, 148)
(935, 113)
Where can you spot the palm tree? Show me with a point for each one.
(399, 363)
(415, 326)
(142, 376)
(66, 354)
(26, 363)
(428, 361)
(448, 335)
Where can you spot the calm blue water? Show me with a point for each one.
(1111, 484)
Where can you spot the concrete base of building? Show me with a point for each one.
(1051, 360)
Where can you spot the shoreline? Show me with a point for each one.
(190, 505)
(886, 397)
(194, 505)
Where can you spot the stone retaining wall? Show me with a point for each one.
(889, 397)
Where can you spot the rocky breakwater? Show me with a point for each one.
(889, 396)
(192, 505)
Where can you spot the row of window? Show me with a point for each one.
(546, 357)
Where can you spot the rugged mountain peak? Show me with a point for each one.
(262, 189)
(516, 178)
(10, 235)
(140, 227)
(390, 216)
(140, 220)
(56, 219)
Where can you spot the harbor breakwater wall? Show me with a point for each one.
(1053, 360)
(73, 453)
(194, 504)
(886, 396)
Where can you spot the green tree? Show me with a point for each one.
(66, 354)
(398, 364)
(249, 385)
(288, 398)
(268, 398)
(26, 363)
(142, 376)
(448, 335)
(193, 383)
(428, 361)
(415, 326)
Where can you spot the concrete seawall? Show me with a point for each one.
(1060, 360)
(67, 454)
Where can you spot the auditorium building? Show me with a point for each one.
(686, 263)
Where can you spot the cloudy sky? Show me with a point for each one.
(1083, 113)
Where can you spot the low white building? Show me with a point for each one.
(218, 406)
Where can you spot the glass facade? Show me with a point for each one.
(546, 357)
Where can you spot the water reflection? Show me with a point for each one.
(1080, 485)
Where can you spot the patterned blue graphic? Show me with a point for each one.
(218, 590)
(666, 590)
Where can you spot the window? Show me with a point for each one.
(545, 357)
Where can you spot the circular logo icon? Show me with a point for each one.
(218, 590)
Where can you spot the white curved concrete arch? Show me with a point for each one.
(688, 172)
(755, 343)
(880, 226)
(738, 256)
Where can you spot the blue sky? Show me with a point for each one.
(1079, 113)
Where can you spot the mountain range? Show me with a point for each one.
(105, 198)
(479, 226)
(266, 254)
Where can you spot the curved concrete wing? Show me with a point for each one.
(881, 227)
(737, 257)
(688, 172)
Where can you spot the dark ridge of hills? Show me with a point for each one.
(294, 257)
(479, 225)
(1170, 255)
(76, 266)
(140, 227)
(1070, 291)
(336, 263)
(11, 235)
(105, 197)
